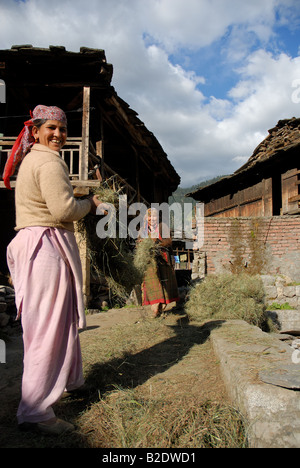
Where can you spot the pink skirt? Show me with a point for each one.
(46, 272)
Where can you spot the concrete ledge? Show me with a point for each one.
(245, 353)
(286, 320)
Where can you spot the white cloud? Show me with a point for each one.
(197, 23)
(203, 135)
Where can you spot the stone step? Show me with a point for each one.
(248, 357)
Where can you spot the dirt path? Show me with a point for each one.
(180, 365)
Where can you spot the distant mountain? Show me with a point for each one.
(179, 195)
(185, 209)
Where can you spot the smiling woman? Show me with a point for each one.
(45, 268)
(47, 123)
(52, 134)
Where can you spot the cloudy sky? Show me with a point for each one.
(207, 77)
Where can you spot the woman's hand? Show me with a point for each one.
(95, 202)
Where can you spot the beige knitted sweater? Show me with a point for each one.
(44, 195)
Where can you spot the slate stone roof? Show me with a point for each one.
(281, 138)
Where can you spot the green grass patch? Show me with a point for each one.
(276, 306)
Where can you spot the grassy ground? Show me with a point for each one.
(154, 384)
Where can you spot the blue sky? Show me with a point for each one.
(207, 77)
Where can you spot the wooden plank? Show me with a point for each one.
(290, 173)
(267, 209)
(84, 157)
(85, 183)
(101, 149)
(289, 190)
(81, 191)
(251, 200)
(9, 141)
(73, 84)
(12, 184)
(228, 207)
(85, 264)
(83, 176)
(292, 212)
(294, 199)
(100, 153)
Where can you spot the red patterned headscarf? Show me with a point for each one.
(25, 140)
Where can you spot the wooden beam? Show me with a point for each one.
(294, 199)
(85, 183)
(85, 264)
(99, 152)
(292, 212)
(74, 183)
(83, 176)
(84, 157)
(81, 191)
(100, 147)
(12, 184)
(290, 173)
(73, 84)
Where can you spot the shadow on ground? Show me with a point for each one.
(135, 369)
(127, 372)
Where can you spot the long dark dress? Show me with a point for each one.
(160, 285)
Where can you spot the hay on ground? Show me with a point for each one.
(228, 297)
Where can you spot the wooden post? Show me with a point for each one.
(84, 162)
(100, 148)
(290, 196)
(85, 265)
(267, 209)
(83, 175)
(100, 152)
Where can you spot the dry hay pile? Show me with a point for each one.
(118, 262)
(228, 297)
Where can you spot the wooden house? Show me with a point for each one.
(252, 217)
(267, 185)
(106, 139)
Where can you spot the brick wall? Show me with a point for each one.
(266, 245)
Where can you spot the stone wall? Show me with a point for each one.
(282, 299)
(280, 290)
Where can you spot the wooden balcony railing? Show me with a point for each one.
(72, 154)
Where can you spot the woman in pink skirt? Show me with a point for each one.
(45, 268)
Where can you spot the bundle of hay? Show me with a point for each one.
(228, 297)
(145, 253)
(117, 261)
